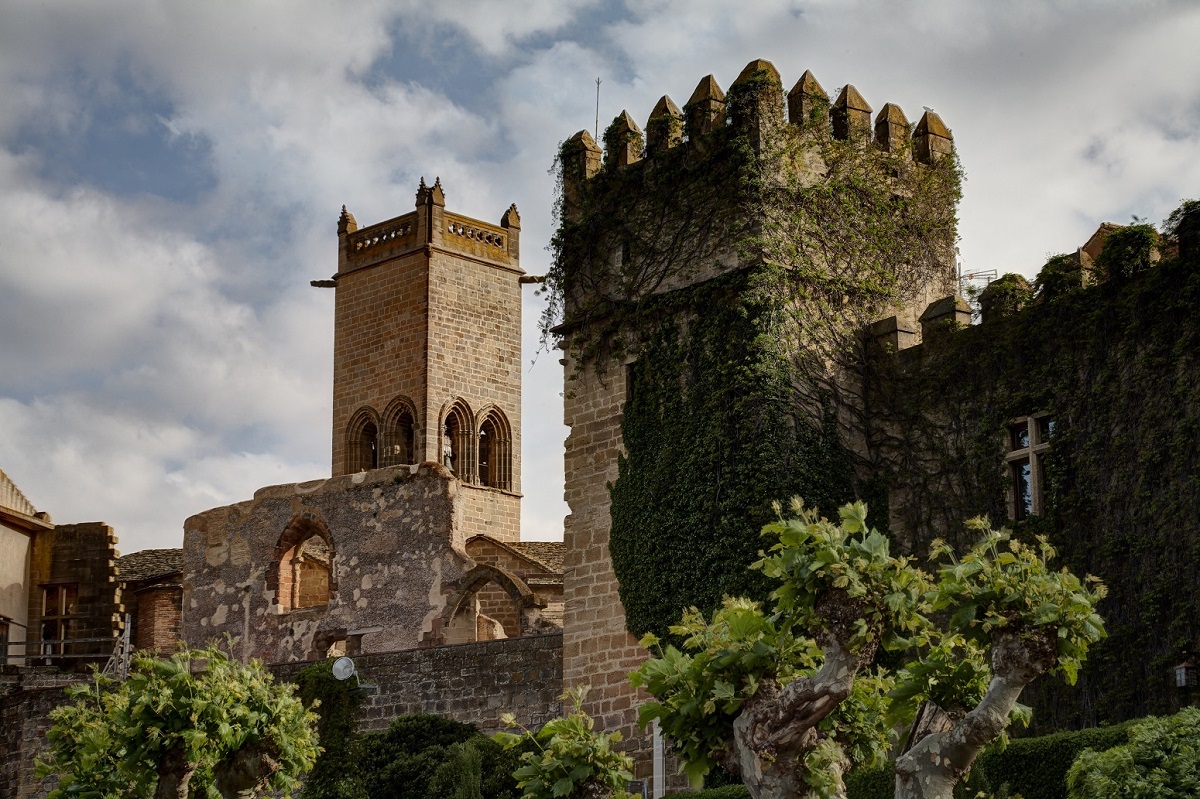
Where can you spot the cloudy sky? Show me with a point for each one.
(171, 175)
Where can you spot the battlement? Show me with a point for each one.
(429, 226)
(756, 102)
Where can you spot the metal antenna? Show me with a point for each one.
(597, 134)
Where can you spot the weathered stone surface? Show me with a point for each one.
(395, 542)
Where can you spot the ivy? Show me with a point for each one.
(336, 774)
(713, 438)
(737, 268)
(1117, 366)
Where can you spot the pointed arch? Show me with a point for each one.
(495, 449)
(398, 441)
(458, 440)
(302, 574)
(362, 441)
(462, 620)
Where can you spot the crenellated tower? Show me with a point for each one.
(738, 247)
(427, 352)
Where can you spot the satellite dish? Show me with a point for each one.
(343, 668)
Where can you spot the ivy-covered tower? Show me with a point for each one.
(711, 281)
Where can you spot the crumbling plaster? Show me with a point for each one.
(398, 552)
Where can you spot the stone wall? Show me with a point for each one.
(473, 683)
(395, 542)
(80, 558)
(597, 649)
(26, 698)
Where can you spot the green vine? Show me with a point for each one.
(1117, 367)
(737, 268)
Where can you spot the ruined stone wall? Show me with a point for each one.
(597, 649)
(26, 698)
(494, 601)
(396, 544)
(84, 556)
(472, 683)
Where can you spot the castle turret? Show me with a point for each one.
(851, 116)
(664, 129)
(808, 104)
(705, 110)
(757, 242)
(891, 128)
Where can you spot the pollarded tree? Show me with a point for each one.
(791, 699)
(198, 724)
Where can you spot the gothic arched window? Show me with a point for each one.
(458, 442)
(495, 450)
(362, 442)
(399, 441)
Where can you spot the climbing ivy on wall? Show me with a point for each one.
(714, 436)
(738, 268)
(1117, 366)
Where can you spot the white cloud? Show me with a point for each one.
(163, 357)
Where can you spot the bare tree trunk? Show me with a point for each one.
(777, 728)
(932, 767)
(247, 770)
(174, 774)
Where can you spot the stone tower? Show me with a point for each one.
(663, 236)
(427, 352)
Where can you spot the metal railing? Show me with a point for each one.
(114, 651)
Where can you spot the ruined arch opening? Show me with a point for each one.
(495, 450)
(303, 574)
(458, 442)
(362, 442)
(491, 604)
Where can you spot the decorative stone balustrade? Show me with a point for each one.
(467, 234)
(401, 230)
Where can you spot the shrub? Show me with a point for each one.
(1160, 761)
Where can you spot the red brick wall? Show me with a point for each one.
(158, 617)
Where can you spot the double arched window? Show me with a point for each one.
(478, 449)
(373, 441)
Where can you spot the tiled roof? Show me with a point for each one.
(549, 554)
(149, 564)
(12, 498)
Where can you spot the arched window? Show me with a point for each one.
(495, 450)
(458, 442)
(303, 573)
(399, 433)
(362, 441)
